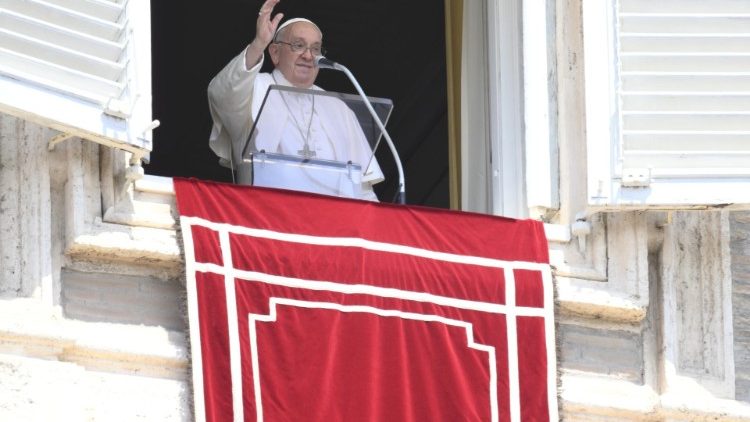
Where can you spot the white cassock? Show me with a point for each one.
(289, 123)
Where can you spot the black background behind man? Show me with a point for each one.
(396, 49)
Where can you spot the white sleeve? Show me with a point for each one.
(230, 95)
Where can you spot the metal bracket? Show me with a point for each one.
(135, 170)
(57, 139)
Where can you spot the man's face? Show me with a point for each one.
(298, 68)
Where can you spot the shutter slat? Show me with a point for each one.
(685, 6)
(666, 162)
(687, 121)
(685, 43)
(685, 62)
(104, 10)
(680, 141)
(691, 24)
(686, 81)
(685, 101)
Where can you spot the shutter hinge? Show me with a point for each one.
(636, 177)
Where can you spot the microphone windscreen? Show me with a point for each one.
(324, 63)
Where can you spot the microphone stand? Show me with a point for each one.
(324, 63)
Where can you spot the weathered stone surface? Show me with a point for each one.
(120, 350)
(603, 351)
(124, 299)
(42, 332)
(696, 326)
(25, 214)
(740, 250)
(42, 390)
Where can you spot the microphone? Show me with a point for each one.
(326, 63)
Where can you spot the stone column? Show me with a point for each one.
(697, 339)
(740, 248)
(25, 211)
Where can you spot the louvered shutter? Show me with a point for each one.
(78, 65)
(679, 125)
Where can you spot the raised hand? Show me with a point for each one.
(265, 28)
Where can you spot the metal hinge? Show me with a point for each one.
(636, 177)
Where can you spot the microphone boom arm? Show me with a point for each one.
(325, 63)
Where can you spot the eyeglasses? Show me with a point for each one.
(298, 47)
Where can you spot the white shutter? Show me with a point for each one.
(81, 66)
(680, 123)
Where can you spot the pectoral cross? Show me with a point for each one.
(306, 152)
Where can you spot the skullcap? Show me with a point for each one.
(293, 21)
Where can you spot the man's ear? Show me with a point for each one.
(273, 51)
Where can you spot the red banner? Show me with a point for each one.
(311, 308)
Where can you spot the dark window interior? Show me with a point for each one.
(396, 49)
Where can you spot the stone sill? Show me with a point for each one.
(30, 329)
(596, 302)
(127, 243)
(588, 395)
(155, 184)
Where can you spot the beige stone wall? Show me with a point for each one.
(91, 318)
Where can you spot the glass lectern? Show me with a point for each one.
(315, 141)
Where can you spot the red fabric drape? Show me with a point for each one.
(311, 308)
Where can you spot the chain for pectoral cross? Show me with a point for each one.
(305, 152)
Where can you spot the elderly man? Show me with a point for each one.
(328, 130)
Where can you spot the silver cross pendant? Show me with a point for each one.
(306, 152)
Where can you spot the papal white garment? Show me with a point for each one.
(290, 123)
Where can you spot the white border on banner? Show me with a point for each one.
(235, 356)
(549, 332)
(367, 289)
(358, 242)
(392, 313)
(514, 389)
(196, 355)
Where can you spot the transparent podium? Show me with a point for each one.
(314, 141)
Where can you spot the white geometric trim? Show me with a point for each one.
(274, 301)
(512, 339)
(365, 244)
(193, 315)
(367, 289)
(235, 359)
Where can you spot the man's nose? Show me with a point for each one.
(307, 53)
